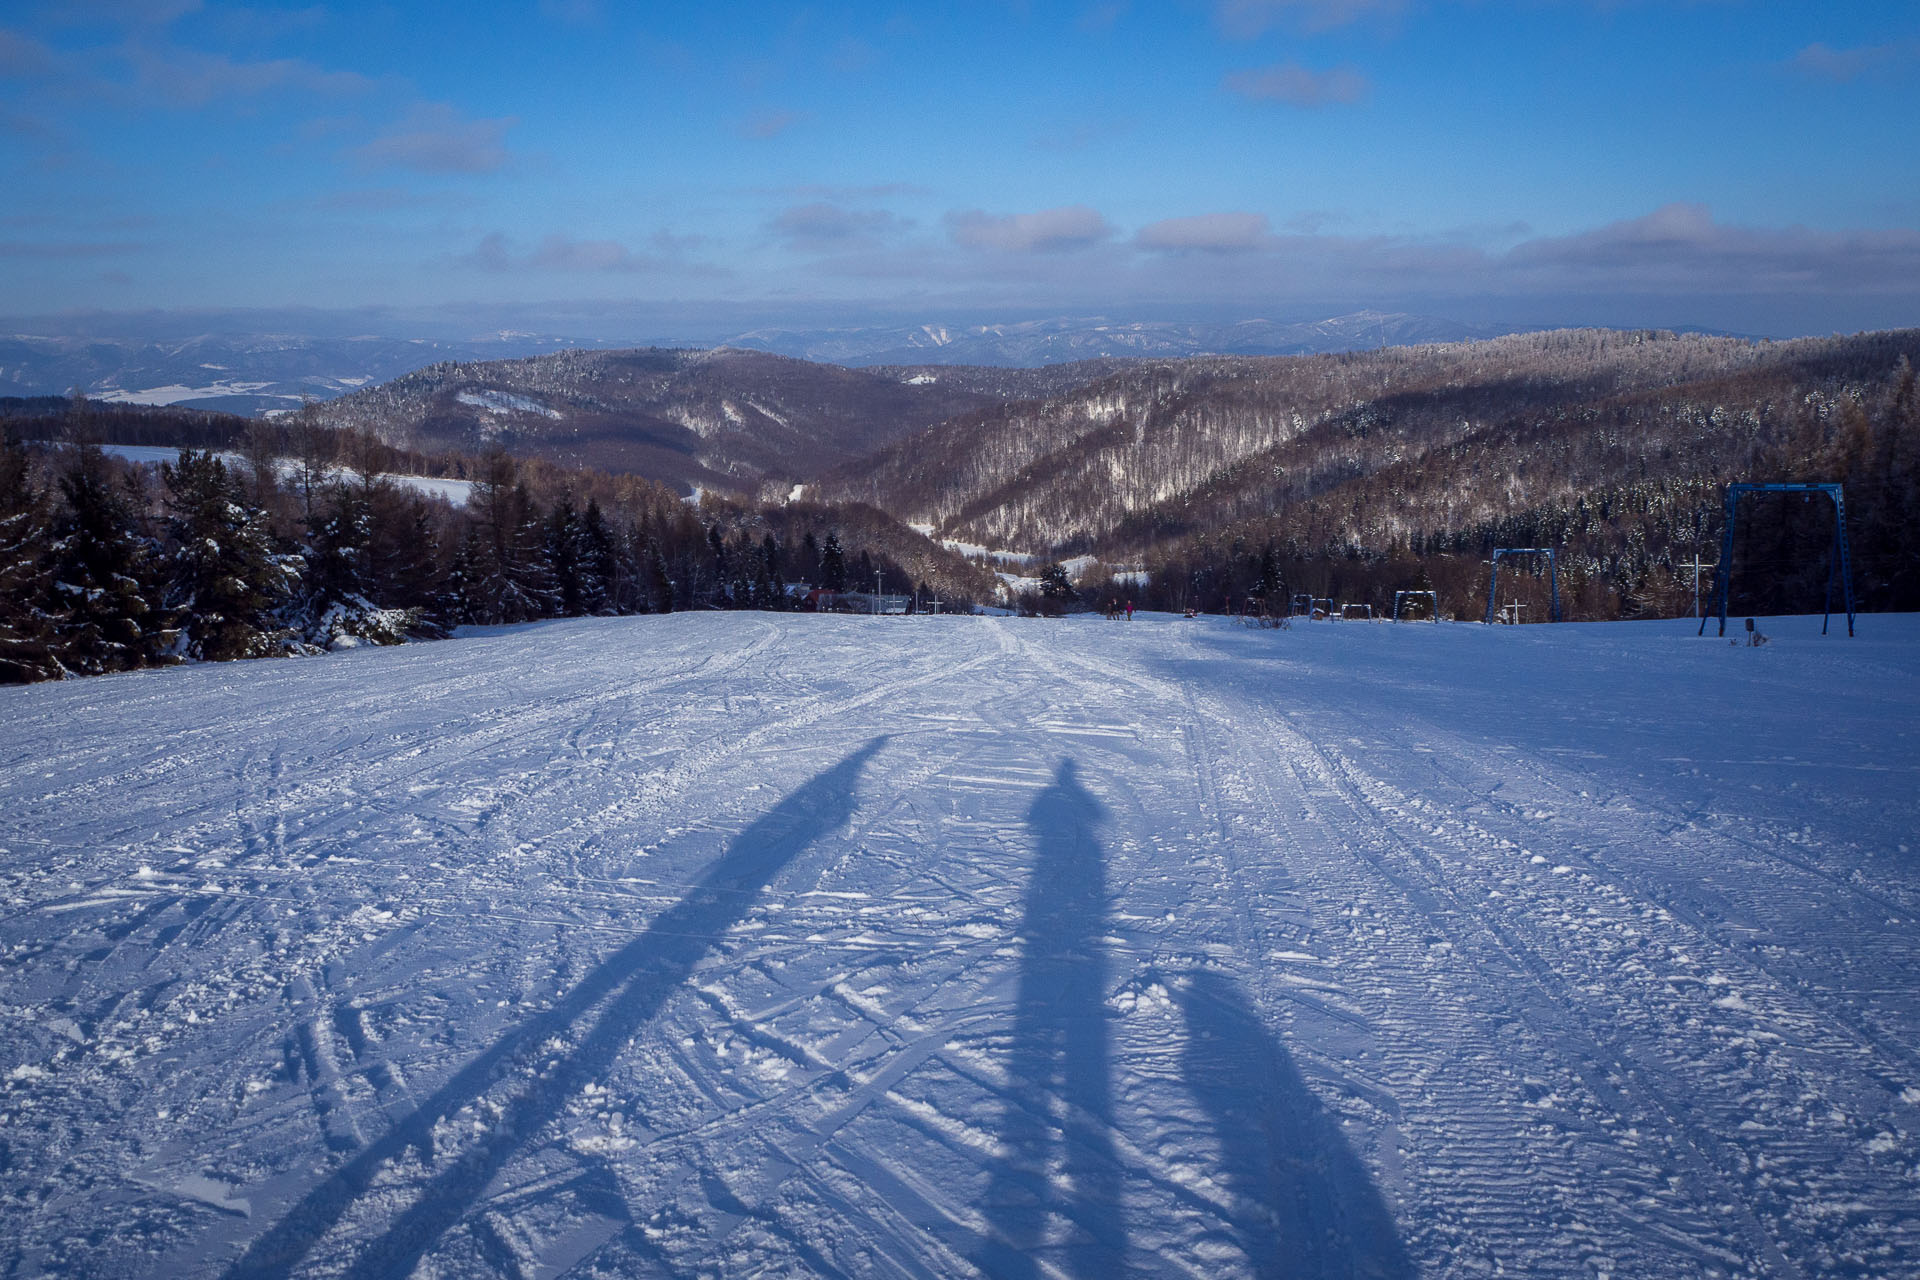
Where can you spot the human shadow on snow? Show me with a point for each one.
(638, 978)
(1060, 1060)
(1304, 1204)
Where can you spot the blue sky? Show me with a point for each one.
(1734, 163)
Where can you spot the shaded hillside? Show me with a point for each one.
(727, 419)
(1613, 447)
(1628, 488)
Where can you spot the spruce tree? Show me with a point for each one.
(532, 591)
(337, 553)
(1055, 585)
(26, 576)
(659, 580)
(103, 575)
(599, 557)
(224, 577)
(339, 575)
(1271, 588)
(808, 570)
(457, 604)
(833, 565)
(406, 570)
(561, 550)
(512, 581)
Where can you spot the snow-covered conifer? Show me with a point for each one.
(225, 579)
(833, 564)
(26, 577)
(104, 579)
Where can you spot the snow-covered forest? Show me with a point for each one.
(1373, 471)
(1219, 484)
(106, 566)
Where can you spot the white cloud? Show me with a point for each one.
(190, 77)
(558, 253)
(22, 55)
(1206, 233)
(133, 13)
(823, 225)
(1298, 86)
(1680, 247)
(1823, 62)
(1048, 231)
(1247, 19)
(434, 138)
(770, 124)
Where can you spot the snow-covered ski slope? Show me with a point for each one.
(735, 944)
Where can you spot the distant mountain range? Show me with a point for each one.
(724, 418)
(250, 374)
(1041, 342)
(256, 374)
(1379, 468)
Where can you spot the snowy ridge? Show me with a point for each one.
(810, 945)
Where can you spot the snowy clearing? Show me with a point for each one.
(176, 393)
(457, 492)
(730, 944)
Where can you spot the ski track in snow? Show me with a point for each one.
(737, 944)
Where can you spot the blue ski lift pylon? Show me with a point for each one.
(1841, 562)
(1553, 576)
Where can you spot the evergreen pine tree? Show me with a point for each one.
(511, 578)
(409, 575)
(337, 554)
(456, 605)
(659, 581)
(740, 582)
(338, 600)
(26, 577)
(224, 577)
(598, 554)
(1271, 588)
(103, 578)
(833, 565)
(532, 589)
(808, 570)
(561, 550)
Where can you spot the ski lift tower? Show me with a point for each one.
(1553, 577)
(1432, 598)
(1840, 563)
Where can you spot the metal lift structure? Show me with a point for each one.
(1841, 563)
(1553, 577)
(1431, 597)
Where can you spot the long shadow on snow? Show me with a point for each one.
(639, 978)
(1305, 1205)
(1060, 1050)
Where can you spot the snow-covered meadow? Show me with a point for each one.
(730, 944)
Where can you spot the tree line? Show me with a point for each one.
(1369, 472)
(1631, 497)
(107, 566)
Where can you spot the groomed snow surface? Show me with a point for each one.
(735, 944)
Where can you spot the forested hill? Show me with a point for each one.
(715, 419)
(1614, 446)
(290, 538)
